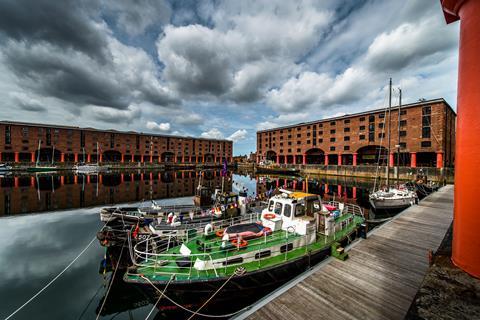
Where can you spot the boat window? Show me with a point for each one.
(299, 210)
(263, 254)
(286, 247)
(232, 261)
(270, 206)
(278, 208)
(287, 210)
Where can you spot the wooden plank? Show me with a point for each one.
(381, 277)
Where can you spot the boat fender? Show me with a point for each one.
(170, 218)
(174, 219)
(208, 229)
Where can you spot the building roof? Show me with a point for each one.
(43, 125)
(368, 112)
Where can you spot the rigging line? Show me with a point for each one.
(88, 304)
(111, 281)
(55, 278)
(159, 298)
(381, 141)
(211, 297)
(194, 312)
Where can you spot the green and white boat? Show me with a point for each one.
(296, 231)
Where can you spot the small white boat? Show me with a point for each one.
(89, 168)
(4, 167)
(393, 198)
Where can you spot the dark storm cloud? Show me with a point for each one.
(58, 76)
(33, 107)
(64, 23)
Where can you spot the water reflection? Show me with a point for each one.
(50, 192)
(36, 247)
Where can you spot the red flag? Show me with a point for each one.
(135, 232)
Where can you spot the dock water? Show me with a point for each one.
(380, 278)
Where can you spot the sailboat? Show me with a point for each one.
(91, 167)
(393, 197)
(43, 168)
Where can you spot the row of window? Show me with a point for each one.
(403, 145)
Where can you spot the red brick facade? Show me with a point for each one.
(19, 143)
(427, 138)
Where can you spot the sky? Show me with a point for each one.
(219, 69)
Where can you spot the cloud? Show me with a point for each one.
(135, 18)
(250, 48)
(164, 127)
(238, 135)
(65, 24)
(188, 118)
(213, 133)
(26, 103)
(112, 115)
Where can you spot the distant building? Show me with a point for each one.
(252, 157)
(426, 138)
(19, 143)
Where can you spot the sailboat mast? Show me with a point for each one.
(98, 155)
(38, 153)
(398, 132)
(53, 153)
(389, 123)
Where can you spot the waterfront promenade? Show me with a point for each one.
(380, 278)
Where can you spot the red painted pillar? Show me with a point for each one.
(326, 159)
(32, 182)
(466, 243)
(440, 159)
(278, 159)
(303, 186)
(62, 157)
(355, 159)
(133, 158)
(75, 179)
(89, 157)
(17, 157)
(75, 157)
(203, 159)
(123, 158)
(413, 159)
(278, 183)
(159, 159)
(391, 160)
(16, 182)
(32, 157)
(294, 184)
(339, 190)
(304, 159)
(142, 160)
(62, 180)
(339, 159)
(354, 192)
(100, 157)
(100, 179)
(294, 159)
(151, 159)
(88, 179)
(122, 177)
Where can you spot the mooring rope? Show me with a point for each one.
(161, 295)
(111, 281)
(55, 278)
(197, 312)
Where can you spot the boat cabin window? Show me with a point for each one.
(278, 208)
(287, 210)
(270, 205)
(299, 210)
(311, 207)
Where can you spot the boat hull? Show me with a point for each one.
(382, 204)
(240, 291)
(41, 169)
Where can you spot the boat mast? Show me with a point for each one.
(53, 153)
(398, 132)
(98, 155)
(389, 123)
(38, 153)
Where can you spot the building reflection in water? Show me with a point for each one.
(50, 192)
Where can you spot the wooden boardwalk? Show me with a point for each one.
(380, 278)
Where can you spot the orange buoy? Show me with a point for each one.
(269, 215)
(219, 233)
(241, 243)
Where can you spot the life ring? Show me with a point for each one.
(219, 233)
(269, 216)
(240, 244)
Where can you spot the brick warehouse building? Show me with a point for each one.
(427, 138)
(19, 144)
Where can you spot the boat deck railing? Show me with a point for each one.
(348, 208)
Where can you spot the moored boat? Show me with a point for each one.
(393, 198)
(296, 231)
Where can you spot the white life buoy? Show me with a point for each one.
(208, 229)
